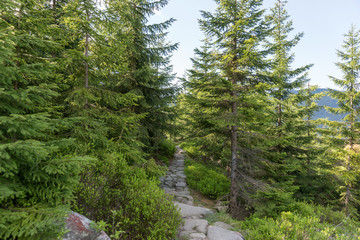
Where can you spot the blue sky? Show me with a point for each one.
(324, 22)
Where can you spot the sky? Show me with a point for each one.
(323, 22)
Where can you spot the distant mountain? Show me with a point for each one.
(327, 101)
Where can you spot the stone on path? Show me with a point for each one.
(218, 233)
(223, 225)
(180, 184)
(197, 236)
(192, 211)
(194, 227)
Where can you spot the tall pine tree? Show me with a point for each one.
(149, 75)
(287, 126)
(343, 135)
(37, 176)
(236, 30)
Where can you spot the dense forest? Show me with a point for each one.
(90, 117)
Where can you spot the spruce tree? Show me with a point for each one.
(236, 29)
(37, 174)
(287, 127)
(149, 75)
(204, 111)
(343, 135)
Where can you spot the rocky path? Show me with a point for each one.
(194, 227)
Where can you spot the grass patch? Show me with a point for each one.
(210, 182)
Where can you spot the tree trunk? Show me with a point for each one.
(351, 143)
(234, 160)
(347, 194)
(279, 113)
(53, 54)
(308, 103)
(233, 190)
(86, 64)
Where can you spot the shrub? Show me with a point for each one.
(164, 160)
(36, 188)
(307, 221)
(209, 182)
(167, 148)
(127, 201)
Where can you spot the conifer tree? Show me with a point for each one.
(285, 78)
(314, 185)
(149, 75)
(236, 30)
(343, 135)
(287, 127)
(204, 111)
(37, 176)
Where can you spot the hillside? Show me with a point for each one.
(326, 101)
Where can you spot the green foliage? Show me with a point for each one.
(306, 222)
(167, 148)
(127, 200)
(341, 137)
(38, 173)
(208, 181)
(35, 221)
(303, 221)
(166, 151)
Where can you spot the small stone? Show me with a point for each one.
(184, 199)
(197, 225)
(183, 193)
(197, 236)
(222, 209)
(188, 210)
(169, 184)
(185, 234)
(167, 189)
(180, 184)
(223, 225)
(217, 233)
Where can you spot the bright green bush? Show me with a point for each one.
(308, 221)
(167, 148)
(209, 182)
(127, 201)
(164, 160)
(305, 221)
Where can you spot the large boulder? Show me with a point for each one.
(79, 228)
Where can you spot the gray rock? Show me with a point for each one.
(168, 190)
(183, 193)
(218, 233)
(181, 184)
(197, 236)
(222, 209)
(79, 229)
(190, 211)
(223, 225)
(184, 199)
(184, 234)
(221, 206)
(169, 184)
(196, 225)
